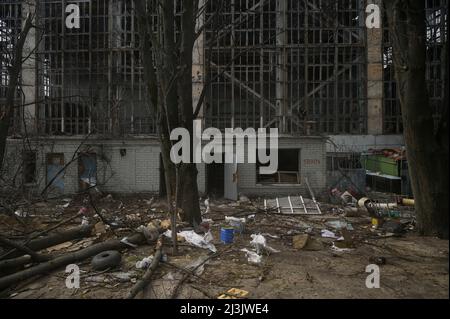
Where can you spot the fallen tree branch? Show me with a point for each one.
(43, 232)
(34, 256)
(71, 258)
(141, 284)
(54, 239)
(14, 263)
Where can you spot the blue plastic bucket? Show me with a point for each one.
(227, 235)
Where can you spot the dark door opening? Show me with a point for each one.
(215, 179)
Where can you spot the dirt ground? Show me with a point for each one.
(416, 267)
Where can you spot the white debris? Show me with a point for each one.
(335, 248)
(328, 234)
(84, 221)
(260, 243)
(144, 263)
(234, 219)
(207, 206)
(252, 257)
(124, 276)
(270, 235)
(21, 213)
(126, 242)
(195, 239)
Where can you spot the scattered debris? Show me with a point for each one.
(299, 241)
(325, 233)
(339, 224)
(338, 249)
(234, 293)
(292, 233)
(237, 223)
(253, 257)
(208, 210)
(21, 213)
(260, 243)
(141, 284)
(106, 259)
(393, 226)
(293, 205)
(195, 239)
(144, 263)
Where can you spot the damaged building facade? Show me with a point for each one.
(311, 68)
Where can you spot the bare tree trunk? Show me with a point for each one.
(426, 144)
(13, 74)
(168, 73)
(189, 200)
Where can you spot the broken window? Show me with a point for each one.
(288, 168)
(287, 64)
(29, 167)
(90, 79)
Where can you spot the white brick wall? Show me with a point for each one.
(138, 170)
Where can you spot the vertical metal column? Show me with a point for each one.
(281, 67)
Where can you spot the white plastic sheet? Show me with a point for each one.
(195, 239)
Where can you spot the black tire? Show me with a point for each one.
(106, 259)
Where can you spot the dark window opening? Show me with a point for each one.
(288, 171)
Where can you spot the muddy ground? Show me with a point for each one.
(416, 267)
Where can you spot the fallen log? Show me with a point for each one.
(141, 284)
(25, 250)
(14, 263)
(114, 244)
(55, 239)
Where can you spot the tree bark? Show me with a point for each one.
(426, 144)
(14, 74)
(168, 73)
(189, 195)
